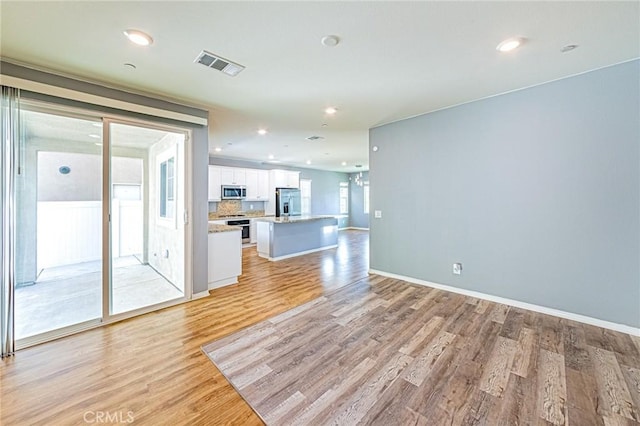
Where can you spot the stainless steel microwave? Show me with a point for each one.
(233, 192)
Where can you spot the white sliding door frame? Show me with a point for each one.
(183, 214)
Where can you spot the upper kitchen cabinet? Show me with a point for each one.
(285, 179)
(214, 183)
(257, 185)
(233, 176)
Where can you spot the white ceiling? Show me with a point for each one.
(395, 60)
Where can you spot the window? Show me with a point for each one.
(305, 196)
(366, 197)
(167, 188)
(344, 197)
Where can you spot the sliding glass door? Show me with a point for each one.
(100, 228)
(147, 216)
(58, 224)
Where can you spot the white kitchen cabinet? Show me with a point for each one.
(252, 184)
(257, 185)
(233, 176)
(253, 234)
(214, 183)
(285, 179)
(225, 258)
(263, 185)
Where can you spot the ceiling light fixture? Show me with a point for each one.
(262, 132)
(271, 157)
(510, 44)
(138, 37)
(330, 40)
(308, 161)
(330, 110)
(359, 180)
(375, 148)
(344, 163)
(218, 149)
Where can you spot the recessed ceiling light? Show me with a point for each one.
(218, 149)
(510, 44)
(93, 135)
(330, 40)
(138, 37)
(344, 163)
(375, 148)
(308, 161)
(568, 48)
(331, 110)
(262, 131)
(271, 157)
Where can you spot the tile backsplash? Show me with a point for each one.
(229, 207)
(233, 207)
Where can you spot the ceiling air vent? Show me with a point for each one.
(314, 138)
(210, 60)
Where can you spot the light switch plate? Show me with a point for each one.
(457, 268)
(377, 214)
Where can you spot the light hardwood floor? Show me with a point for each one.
(152, 366)
(381, 351)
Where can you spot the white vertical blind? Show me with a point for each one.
(9, 161)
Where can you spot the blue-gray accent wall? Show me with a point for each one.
(357, 217)
(536, 192)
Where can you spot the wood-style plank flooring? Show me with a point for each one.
(381, 351)
(153, 365)
(482, 363)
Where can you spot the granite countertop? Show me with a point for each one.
(292, 219)
(213, 216)
(213, 228)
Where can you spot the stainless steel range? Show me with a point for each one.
(245, 224)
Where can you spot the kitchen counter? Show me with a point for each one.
(282, 238)
(213, 228)
(293, 219)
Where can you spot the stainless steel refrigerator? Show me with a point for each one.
(288, 202)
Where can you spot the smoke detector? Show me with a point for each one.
(210, 60)
(314, 138)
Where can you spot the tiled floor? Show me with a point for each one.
(71, 294)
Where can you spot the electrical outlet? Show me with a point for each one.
(457, 268)
(377, 214)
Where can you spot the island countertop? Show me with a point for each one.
(214, 228)
(293, 219)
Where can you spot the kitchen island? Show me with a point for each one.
(225, 255)
(283, 237)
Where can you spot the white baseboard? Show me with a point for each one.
(223, 282)
(200, 295)
(516, 303)
(288, 256)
